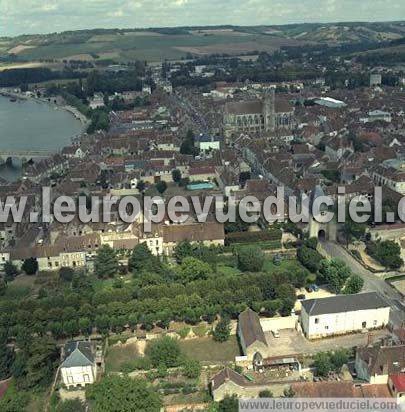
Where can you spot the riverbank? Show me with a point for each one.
(54, 103)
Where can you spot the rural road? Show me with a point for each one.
(372, 283)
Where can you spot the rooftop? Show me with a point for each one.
(344, 303)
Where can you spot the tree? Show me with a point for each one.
(191, 368)
(229, 404)
(66, 274)
(266, 394)
(71, 405)
(387, 252)
(289, 393)
(6, 357)
(309, 258)
(353, 230)
(323, 364)
(312, 243)
(222, 331)
(250, 259)
(10, 271)
(120, 393)
(35, 366)
(339, 358)
(164, 351)
(176, 175)
(334, 272)
(142, 260)
(353, 285)
(187, 146)
(3, 287)
(182, 250)
(193, 269)
(14, 400)
(30, 266)
(326, 362)
(161, 186)
(106, 263)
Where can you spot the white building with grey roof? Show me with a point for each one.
(342, 314)
(79, 367)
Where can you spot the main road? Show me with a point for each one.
(372, 283)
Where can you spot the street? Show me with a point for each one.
(372, 283)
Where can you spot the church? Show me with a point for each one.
(258, 116)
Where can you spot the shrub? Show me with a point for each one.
(250, 259)
(200, 330)
(164, 351)
(191, 368)
(222, 331)
(248, 237)
(183, 333)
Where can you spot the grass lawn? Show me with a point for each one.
(226, 270)
(206, 349)
(285, 265)
(119, 355)
(180, 398)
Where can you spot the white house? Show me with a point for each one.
(343, 314)
(79, 366)
(207, 142)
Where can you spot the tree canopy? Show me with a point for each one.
(250, 259)
(164, 351)
(123, 394)
(106, 262)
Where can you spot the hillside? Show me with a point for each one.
(177, 43)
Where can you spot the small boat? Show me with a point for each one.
(13, 99)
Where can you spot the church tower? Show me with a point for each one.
(269, 110)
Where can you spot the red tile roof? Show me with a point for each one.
(398, 380)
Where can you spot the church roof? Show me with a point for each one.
(247, 107)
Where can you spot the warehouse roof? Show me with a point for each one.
(344, 303)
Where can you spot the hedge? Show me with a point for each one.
(248, 237)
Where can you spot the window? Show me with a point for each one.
(375, 323)
(364, 325)
(326, 327)
(316, 321)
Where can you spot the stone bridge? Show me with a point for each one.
(24, 155)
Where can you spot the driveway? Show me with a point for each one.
(372, 283)
(292, 342)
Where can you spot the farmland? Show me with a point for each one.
(148, 46)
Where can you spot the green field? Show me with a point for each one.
(117, 356)
(206, 349)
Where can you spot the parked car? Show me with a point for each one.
(276, 333)
(315, 287)
(301, 297)
(309, 289)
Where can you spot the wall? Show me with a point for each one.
(77, 373)
(345, 322)
(230, 388)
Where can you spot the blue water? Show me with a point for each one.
(200, 186)
(32, 125)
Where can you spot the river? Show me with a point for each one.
(33, 125)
